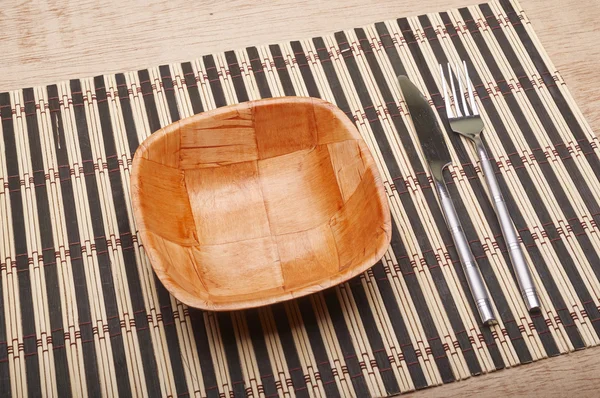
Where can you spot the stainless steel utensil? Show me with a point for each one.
(465, 120)
(438, 157)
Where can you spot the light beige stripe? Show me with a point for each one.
(517, 189)
(452, 283)
(193, 378)
(203, 85)
(218, 353)
(71, 137)
(147, 281)
(305, 354)
(401, 371)
(90, 260)
(365, 130)
(130, 337)
(279, 365)
(70, 318)
(582, 165)
(509, 288)
(561, 84)
(506, 350)
(546, 195)
(445, 331)
(32, 237)
(331, 345)
(10, 290)
(510, 177)
(247, 359)
(253, 94)
(428, 364)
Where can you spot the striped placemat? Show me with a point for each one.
(81, 312)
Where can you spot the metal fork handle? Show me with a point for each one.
(467, 260)
(526, 285)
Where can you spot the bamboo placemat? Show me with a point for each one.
(81, 312)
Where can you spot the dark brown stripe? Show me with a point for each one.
(236, 374)
(307, 76)
(53, 294)
(482, 198)
(496, 291)
(5, 382)
(441, 284)
(333, 304)
(226, 329)
(553, 180)
(166, 85)
(213, 80)
(567, 113)
(373, 335)
(79, 278)
(29, 348)
(522, 173)
(191, 83)
(282, 72)
(258, 72)
(129, 255)
(164, 299)
(104, 266)
(427, 322)
(197, 319)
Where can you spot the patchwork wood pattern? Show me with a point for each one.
(258, 203)
(83, 314)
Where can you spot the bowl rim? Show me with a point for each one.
(205, 304)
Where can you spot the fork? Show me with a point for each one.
(464, 119)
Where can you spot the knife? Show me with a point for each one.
(438, 158)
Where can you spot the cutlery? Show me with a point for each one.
(464, 119)
(438, 158)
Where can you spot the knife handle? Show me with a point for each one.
(469, 265)
(527, 287)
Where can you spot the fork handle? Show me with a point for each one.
(526, 285)
(467, 260)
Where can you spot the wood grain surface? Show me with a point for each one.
(48, 41)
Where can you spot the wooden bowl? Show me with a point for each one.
(259, 202)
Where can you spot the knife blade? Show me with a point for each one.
(438, 158)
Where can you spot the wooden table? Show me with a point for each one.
(56, 40)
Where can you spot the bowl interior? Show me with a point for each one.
(258, 202)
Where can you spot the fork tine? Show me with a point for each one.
(470, 89)
(455, 98)
(461, 91)
(449, 111)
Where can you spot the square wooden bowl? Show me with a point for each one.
(259, 202)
